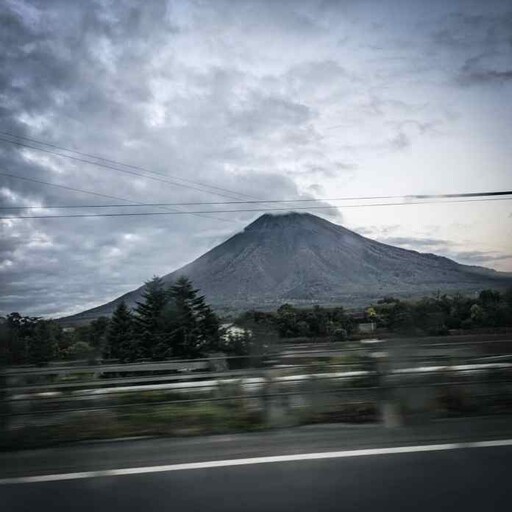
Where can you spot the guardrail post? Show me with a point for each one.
(389, 410)
(276, 404)
(266, 392)
(4, 408)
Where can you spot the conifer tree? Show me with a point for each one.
(121, 342)
(195, 325)
(149, 325)
(42, 345)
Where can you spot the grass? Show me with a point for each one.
(185, 419)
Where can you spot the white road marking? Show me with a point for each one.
(253, 460)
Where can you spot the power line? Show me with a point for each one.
(113, 163)
(108, 160)
(86, 215)
(65, 187)
(268, 201)
(253, 201)
(273, 201)
(90, 192)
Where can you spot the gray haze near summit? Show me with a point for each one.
(267, 99)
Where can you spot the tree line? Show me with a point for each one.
(167, 322)
(292, 322)
(435, 315)
(442, 313)
(177, 322)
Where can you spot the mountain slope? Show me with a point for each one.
(301, 258)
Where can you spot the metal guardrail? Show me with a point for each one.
(247, 395)
(141, 383)
(255, 381)
(147, 368)
(374, 379)
(296, 350)
(192, 364)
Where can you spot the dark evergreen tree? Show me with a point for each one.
(120, 340)
(152, 338)
(195, 327)
(42, 344)
(98, 333)
(17, 330)
(208, 324)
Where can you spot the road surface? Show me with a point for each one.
(459, 479)
(453, 465)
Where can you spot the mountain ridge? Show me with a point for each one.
(304, 259)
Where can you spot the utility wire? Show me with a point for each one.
(217, 203)
(98, 194)
(108, 160)
(245, 210)
(164, 179)
(272, 201)
(65, 187)
(253, 201)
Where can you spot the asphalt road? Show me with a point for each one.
(461, 479)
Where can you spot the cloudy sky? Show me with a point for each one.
(245, 100)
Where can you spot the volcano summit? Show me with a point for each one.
(300, 258)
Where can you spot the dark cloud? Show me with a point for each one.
(239, 95)
(400, 141)
(376, 231)
(87, 76)
(473, 72)
(416, 242)
(267, 114)
(480, 45)
(447, 248)
(480, 257)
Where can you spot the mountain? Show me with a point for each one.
(303, 259)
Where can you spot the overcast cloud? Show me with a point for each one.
(265, 99)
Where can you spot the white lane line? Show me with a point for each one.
(253, 460)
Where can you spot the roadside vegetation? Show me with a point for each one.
(167, 322)
(429, 316)
(177, 322)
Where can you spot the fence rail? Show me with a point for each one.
(286, 386)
